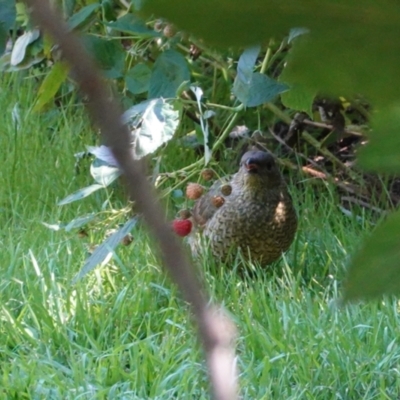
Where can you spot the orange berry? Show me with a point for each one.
(194, 52)
(226, 190)
(207, 174)
(194, 191)
(169, 31)
(217, 201)
(185, 214)
(82, 233)
(159, 25)
(127, 239)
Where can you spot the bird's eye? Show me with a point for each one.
(268, 166)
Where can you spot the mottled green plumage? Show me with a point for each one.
(257, 217)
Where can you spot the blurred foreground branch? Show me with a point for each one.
(215, 329)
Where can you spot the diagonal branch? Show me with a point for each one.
(216, 331)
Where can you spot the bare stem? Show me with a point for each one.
(215, 330)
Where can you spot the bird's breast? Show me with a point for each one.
(263, 225)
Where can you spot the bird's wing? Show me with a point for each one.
(204, 209)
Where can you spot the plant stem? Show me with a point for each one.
(214, 105)
(265, 62)
(278, 112)
(226, 131)
(233, 109)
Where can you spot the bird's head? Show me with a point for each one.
(259, 169)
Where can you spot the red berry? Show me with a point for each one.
(182, 227)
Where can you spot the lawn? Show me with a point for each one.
(123, 332)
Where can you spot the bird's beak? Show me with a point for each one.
(250, 166)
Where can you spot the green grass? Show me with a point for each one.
(124, 333)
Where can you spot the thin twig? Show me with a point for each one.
(363, 204)
(328, 154)
(216, 331)
(315, 173)
(330, 127)
(283, 143)
(216, 62)
(312, 141)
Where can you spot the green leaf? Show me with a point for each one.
(299, 98)
(375, 268)
(243, 22)
(134, 115)
(169, 71)
(253, 88)
(68, 7)
(53, 227)
(158, 121)
(370, 70)
(109, 11)
(366, 61)
(80, 194)
(106, 249)
(244, 75)
(5, 63)
(104, 173)
(137, 78)
(7, 21)
(109, 54)
(137, 4)
(3, 38)
(83, 17)
(381, 153)
(132, 25)
(50, 85)
(80, 221)
(263, 90)
(295, 32)
(21, 44)
(198, 92)
(103, 153)
(7, 14)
